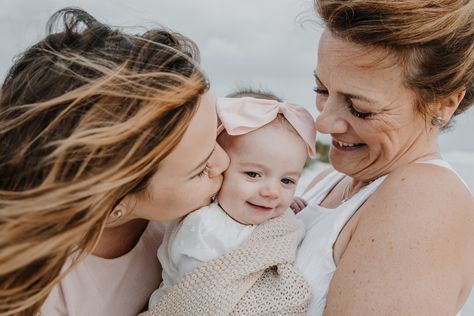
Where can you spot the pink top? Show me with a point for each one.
(119, 286)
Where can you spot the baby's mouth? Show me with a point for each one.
(260, 207)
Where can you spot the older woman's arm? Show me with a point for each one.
(411, 250)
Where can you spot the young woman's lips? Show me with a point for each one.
(260, 208)
(342, 146)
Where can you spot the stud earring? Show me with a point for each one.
(116, 215)
(437, 121)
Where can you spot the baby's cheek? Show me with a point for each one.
(221, 196)
(288, 199)
(225, 194)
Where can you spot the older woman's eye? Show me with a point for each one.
(321, 91)
(355, 112)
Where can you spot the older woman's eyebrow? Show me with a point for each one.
(359, 97)
(346, 94)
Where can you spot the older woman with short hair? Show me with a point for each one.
(390, 229)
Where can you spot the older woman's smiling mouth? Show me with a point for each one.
(346, 146)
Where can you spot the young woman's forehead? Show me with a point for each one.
(198, 141)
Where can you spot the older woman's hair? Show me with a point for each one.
(432, 40)
(86, 116)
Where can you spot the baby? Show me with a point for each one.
(268, 143)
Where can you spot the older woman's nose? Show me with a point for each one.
(331, 119)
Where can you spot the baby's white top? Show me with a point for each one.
(201, 236)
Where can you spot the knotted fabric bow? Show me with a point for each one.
(242, 115)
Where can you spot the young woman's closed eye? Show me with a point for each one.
(203, 172)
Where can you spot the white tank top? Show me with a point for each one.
(314, 257)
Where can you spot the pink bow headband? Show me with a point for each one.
(243, 115)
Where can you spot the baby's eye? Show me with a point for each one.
(287, 181)
(252, 174)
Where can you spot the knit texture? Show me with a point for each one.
(259, 278)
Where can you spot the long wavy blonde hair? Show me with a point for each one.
(86, 116)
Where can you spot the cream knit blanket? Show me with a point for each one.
(259, 278)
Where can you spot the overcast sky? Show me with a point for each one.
(269, 44)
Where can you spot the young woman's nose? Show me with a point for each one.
(270, 189)
(331, 118)
(219, 162)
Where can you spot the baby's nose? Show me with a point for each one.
(270, 190)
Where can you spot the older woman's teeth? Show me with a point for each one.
(344, 144)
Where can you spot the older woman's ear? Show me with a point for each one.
(446, 108)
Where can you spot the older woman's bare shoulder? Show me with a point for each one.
(413, 234)
(424, 196)
(425, 184)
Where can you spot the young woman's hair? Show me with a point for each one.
(86, 116)
(432, 40)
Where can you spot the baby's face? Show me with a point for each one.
(265, 166)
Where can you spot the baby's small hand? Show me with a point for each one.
(298, 204)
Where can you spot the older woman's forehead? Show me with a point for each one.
(352, 54)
